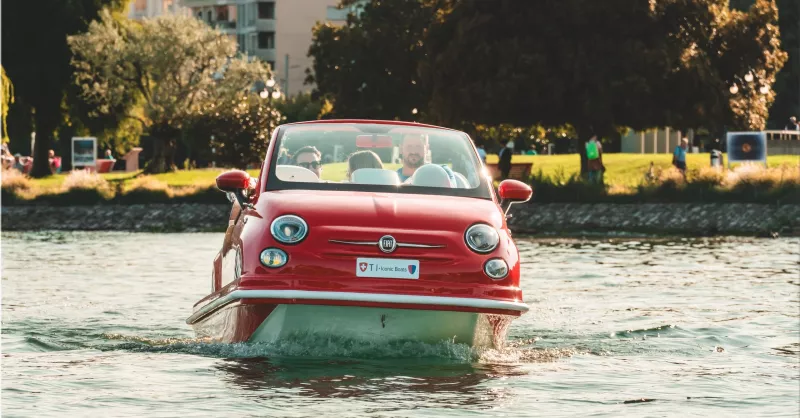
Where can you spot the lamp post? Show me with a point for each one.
(270, 91)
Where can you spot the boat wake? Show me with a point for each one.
(329, 346)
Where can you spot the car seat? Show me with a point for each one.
(295, 173)
(432, 175)
(375, 176)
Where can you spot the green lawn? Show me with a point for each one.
(625, 169)
(622, 169)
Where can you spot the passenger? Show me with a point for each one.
(309, 157)
(362, 159)
(414, 149)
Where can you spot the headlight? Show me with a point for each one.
(482, 238)
(273, 257)
(496, 268)
(289, 229)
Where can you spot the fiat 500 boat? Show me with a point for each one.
(369, 230)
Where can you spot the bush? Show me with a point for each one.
(15, 186)
(145, 189)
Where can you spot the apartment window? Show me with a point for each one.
(266, 10)
(209, 19)
(271, 65)
(222, 13)
(240, 43)
(266, 40)
(251, 14)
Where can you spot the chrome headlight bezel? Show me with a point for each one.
(277, 251)
(277, 223)
(487, 266)
(489, 230)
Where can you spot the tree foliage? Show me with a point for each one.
(165, 73)
(36, 57)
(369, 65)
(7, 99)
(238, 135)
(302, 107)
(598, 66)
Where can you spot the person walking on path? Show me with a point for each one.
(594, 160)
(679, 157)
(504, 163)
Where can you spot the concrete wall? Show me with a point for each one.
(655, 141)
(785, 147)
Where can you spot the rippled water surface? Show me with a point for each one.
(93, 325)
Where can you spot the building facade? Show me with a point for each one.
(141, 9)
(276, 31)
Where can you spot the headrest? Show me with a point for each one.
(375, 176)
(432, 175)
(295, 173)
(461, 181)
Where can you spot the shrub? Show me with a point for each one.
(15, 186)
(145, 189)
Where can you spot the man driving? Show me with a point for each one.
(309, 157)
(414, 148)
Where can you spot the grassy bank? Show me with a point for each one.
(555, 179)
(625, 169)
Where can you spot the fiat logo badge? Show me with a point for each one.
(387, 243)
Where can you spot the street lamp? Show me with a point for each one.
(734, 89)
(763, 89)
(748, 77)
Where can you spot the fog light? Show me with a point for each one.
(496, 268)
(273, 257)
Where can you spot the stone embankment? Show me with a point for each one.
(673, 219)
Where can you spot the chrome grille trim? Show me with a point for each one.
(399, 244)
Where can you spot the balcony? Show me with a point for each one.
(225, 24)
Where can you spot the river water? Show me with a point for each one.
(93, 325)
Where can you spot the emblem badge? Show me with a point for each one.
(363, 266)
(387, 244)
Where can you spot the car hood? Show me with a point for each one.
(395, 211)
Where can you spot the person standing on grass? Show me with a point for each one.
(594, 160)
(504, 162)
(679, 157)
(482, 153)
(793, 125)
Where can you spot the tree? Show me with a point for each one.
(302, 107)
(239, 134)
(599, 65)
(369, 66)
(36, 57)
(164, 72)
(787, 81)
(7, 99)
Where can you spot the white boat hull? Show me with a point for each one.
(367, 323)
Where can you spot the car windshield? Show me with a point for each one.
(377, 158)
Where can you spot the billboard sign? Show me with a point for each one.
(84, 151)
(747, 147)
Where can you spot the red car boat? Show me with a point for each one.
(370, 230)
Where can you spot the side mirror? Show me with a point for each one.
(513, 191)
(235, 182)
